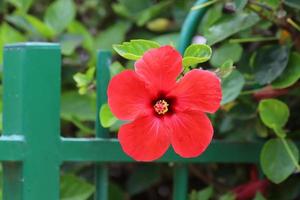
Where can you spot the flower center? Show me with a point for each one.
(161, 107)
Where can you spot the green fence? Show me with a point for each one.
(31, 147)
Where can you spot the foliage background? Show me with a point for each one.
(261, 38)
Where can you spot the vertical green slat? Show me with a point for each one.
(180, 174)
(31, 109)
(180, 185)
(102, 77)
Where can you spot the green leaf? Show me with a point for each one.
(167, 39)
(104, 39)
(140, 181)
(115, 68)
(152, 12)
(22, 5)
(42, 28)
(259, 196)
(232, 86)
(292, 3)
(204, 194)
(75, 188)
(134, 49)
(227, 51)
(270, 62)
(211, 16)
(273, 113)
(228, 196)
(275, 161)
(60, 14)
(115, 192)
(226, 69)
(82, 107)
(69, 43)
(75, 27)
(230, 25)
(291, 74)
(195, 54)
(240, 4)
(106, 117)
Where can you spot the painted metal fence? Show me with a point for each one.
(32, 148)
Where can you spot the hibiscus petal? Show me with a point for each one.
(191, 133)
(160, 67)
(128, 96)
(144, 139)
(198, 90)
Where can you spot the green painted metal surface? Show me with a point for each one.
(31, 147)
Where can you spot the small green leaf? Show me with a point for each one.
(291, 74)
(270, 62)
(259, 196)
(115, 68)
(227, 51)
(42, 28)
(75, 188)
(195, 54)
(226, 69)
(227, 196)
(275, 161)
(107, 119)
(75, 27)
(273, 113)
(69, 43)
(134, 49)
(204, 194)
(60, 14)
(232, 86)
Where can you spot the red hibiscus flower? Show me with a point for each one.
(162, 110)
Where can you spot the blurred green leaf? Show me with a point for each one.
(69, 43)
(83, 107)
(75, 188)
(159, 25)
(232, 86)
(270, 62)
(211, 16)
(292, 3)
(115, 68)
(152, 12)
(114, 34)
(75, 27)
(167, 39)
(227, 51)
(226, 69)
(240, 4)
(275, 161)
(22, 5)
(42, 28)
(273, 113)
(134, 49)
(291, 74)
(60, 14)
(142, 178)
(227, 196)
(115, 192)
(230, 25)
(259, 196)
(204, 194)
(195, 54)
(106, 117)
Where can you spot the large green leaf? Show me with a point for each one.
(230, 25)
(232, 86)
(227, 51)
(275, 161)
(60, 14)
(291, 74)
(114, 34)
(273, 113)
(134, 49)
(270, 62)
(75, 188)
(195, 54)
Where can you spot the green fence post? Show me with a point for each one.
(31, 110)
(102, 78)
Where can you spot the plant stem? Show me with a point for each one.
(255, 39)
(289, 151)
(293, 24)
(203, 5)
